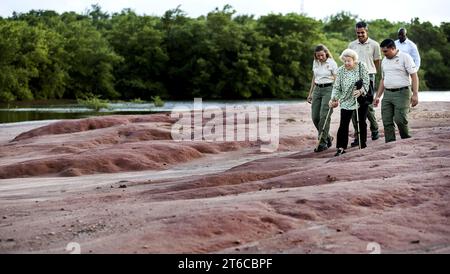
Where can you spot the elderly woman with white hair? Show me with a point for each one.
(344, 93)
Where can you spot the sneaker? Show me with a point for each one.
(339, 152)
(355, 143)
(375, 135)
(329, 141)
(320, 148)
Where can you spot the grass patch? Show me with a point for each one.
(157, 101)
(137, 101)
(93, 102)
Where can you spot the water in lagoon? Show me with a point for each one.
(33, 115)
(55, 110)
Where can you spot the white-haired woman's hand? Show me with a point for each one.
(357, 93)
(333, 103)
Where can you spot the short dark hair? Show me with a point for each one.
(402, 28)
(388, 43)
(361, 24)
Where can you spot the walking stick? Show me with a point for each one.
(323, 128)
(357, 122)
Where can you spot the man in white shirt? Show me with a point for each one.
(398, 69)
(407, 46)
(369, 53)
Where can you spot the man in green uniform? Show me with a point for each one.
(398, 69)
(369, 53)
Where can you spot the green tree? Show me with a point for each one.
(31, 62)
(182, 36)
(381, 29)
(433, 47)
(46, 55)
(99, 18)
(91, 61)
(138, 41)
(15, 72)
(342, 23)
(291, 39)
(229, 59)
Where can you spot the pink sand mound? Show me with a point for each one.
(102, 145)
(72, 126)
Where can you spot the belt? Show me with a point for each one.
(324, 85)
(396, 89)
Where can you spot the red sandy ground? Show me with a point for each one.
(120, 184)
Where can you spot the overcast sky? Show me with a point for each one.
(435, 11)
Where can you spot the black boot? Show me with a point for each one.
(321, 147)
(375, 135)
(355, 143)
(339, 152)
(329, 141)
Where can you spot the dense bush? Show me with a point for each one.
(46, 55)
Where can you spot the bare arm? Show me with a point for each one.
(309, 99)
(377, 64)
(415, 89)
(334, 93)
(380, 92)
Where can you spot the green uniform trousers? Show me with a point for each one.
(371, 117)
(319, 110)
(395, 108)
